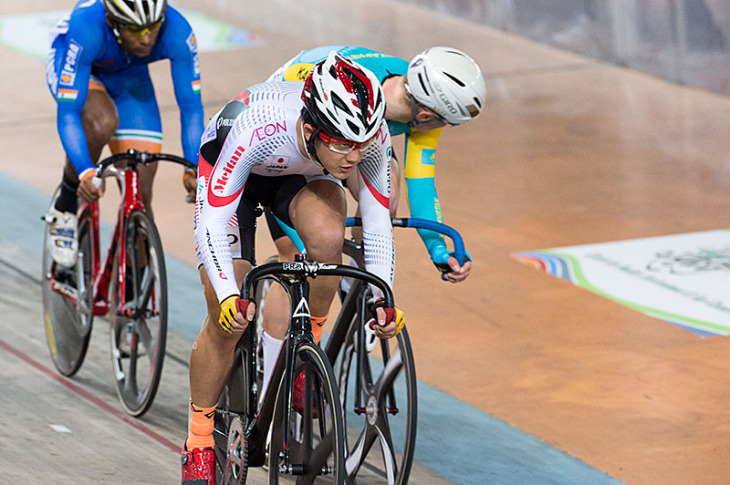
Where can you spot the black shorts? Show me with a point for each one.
(275, 195)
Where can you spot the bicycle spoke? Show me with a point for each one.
(361, 449)
(390, 372)
(382, 427)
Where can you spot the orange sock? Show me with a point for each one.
(200, 428)
(317, 324)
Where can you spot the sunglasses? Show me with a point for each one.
(344, 147)
(140, 30)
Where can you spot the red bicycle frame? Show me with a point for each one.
(89, 212)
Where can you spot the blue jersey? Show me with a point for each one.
(420, 147)
(85, 48)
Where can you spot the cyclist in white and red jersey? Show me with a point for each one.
(286, 146)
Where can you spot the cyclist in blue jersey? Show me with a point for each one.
(98, 73)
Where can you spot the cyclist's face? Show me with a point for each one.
(139, 42)
(339, 165)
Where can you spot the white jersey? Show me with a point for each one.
(263, 140)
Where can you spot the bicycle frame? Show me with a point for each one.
(300, 332)
(131, 199)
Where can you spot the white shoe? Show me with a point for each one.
(64, 244)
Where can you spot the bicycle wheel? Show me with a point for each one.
(383, 409)
(316, 438)
(68, 301)
(232, 416)
(139, 324)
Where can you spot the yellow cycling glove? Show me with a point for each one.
(392, 314)
(400, 319)
(229, 308)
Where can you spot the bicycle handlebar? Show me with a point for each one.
(312, 269)
(142, 158)
(416, 223)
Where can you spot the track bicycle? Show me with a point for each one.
(376, 378)
(130, 286)
(306, 444)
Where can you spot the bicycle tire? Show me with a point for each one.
(379, 427)
(138, 327)
(231, 447)
(67, 323)
(310, 449)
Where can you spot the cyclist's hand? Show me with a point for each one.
(388, 322)
(449, 266)
(457, 273)
(88, 190)
(232, 318)
(190, 182)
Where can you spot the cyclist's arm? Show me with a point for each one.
(71, 94)
(420, 172)
(374, 173)
(216, 203)
(185, 70)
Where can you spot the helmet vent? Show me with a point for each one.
(423, 85)
(353, 127)
(477, 102)
(456, 80)
(337, 101)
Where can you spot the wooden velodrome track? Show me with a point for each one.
(568, 151)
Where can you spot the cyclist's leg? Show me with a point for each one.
(276, 307)
(318, 214)
(276, 310)
(140, 126)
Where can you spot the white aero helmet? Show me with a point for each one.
(136, 12)
(344, 99)
(448, 82)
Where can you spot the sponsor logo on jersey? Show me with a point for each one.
(381, 135)
(219, 182)
(68, 73)
(192, 43)
(263, 132)
(217, 265)
(224, 122)
(277, 163)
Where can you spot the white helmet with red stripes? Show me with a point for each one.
(344, 99)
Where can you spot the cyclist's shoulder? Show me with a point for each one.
(177, 34)
(262, 105)
(176, 22)
(87, 24)
(376, 61)
(274, 93)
